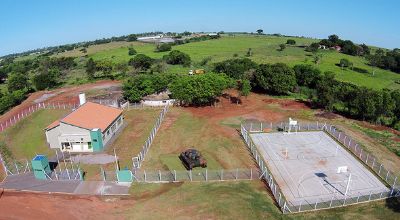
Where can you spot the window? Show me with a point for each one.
(89, 145)
(108, 132)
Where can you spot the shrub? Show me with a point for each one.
(176, 57)
(163, 47)
(291, 42)
(141, 62)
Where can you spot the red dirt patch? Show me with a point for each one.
(18, 205)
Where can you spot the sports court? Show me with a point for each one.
(305, 166)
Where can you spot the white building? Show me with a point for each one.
(87, 129)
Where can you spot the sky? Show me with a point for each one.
(31, 24)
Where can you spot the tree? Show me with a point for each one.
(90, 68)
(334, 39)
(131, 37)
(131, 51)
(163, 47)
(326, 96)
(17, 81)
(317, 58)
(282, 47)
(141, 62)
(260, 31)
(199, 89)
(307, 75)
(244, 87)
(291, 42)
(313, 47)
(176, 57)
(344, 63)
(46, 80)
(277, 78)
(236, 68)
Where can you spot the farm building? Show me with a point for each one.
(87, 129)
(158, 99)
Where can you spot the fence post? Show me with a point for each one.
(190, 175)
(251, 173)
(237, 173)
(330, 204)
(300, 205)
(145, 176)
(159, 175)
(174, 175)
(370, 193)
(206, 175)
(222, 174)
(316, 203)
(380, 170)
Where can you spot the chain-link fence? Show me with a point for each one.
(368, 159)
(202, 175)
(137, 161)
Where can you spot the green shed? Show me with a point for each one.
(41, 167)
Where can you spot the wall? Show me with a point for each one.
(112, 132)
(158, 103)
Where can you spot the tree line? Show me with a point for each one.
(322, 89)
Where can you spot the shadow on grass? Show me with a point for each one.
(393, 204)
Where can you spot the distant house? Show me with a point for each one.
(160, 99)
(87, 129)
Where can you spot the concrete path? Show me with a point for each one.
(27, 182)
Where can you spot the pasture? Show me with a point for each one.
(265, 49)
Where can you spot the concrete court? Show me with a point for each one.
(305, 164)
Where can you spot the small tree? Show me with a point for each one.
(47, 79)
(141, 62)
(291, 42)
(260, 31)
(131, 51)
(282, 47)
(344, 63)
(176, 57)
(90, 68)
(163, 47)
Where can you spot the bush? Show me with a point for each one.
(46, 80)
(17, 81)
(176, 57)
(236, 68)
(307, 75)
(344, 62)
(131, 51)
(163, 47)
(291, 42)
(141, 62)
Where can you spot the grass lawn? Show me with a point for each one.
(232, 200)
(265, 50)
(27, 137)
(182, 130)
(139, 123)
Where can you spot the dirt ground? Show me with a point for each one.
(17, 205)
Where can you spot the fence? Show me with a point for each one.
(203, 175)
(368, 160)
(265, 172)
(137, 161)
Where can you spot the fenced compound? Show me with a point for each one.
(326, 188)
(137, 161)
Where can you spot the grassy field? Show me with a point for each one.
(265, 50)
(233, 200)
(182, 130)
(26, 138)
(138, 126)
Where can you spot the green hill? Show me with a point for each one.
(265, 49)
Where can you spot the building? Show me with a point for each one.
(87, 129)
(160, 99)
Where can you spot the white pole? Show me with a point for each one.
(348, 185)
(116, 161)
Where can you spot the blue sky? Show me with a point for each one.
(32, 24)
